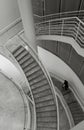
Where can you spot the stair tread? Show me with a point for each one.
(39, 84)
(43, 104)
(28, 62)
(43, 93)
(47, 119)
(48, 125)
(17, 50)
(48, 97)
(40, 89)
(33, 76)
(47, 114)
(37, 79)
(21, 55)
(24, 58)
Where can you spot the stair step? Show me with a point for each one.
(48, 125)
(42, 94)
(69, 98)
(38, 79)
(27, 68)
(33, 76)
(24, 59)
(56, 82)
(74, 105)
(77, 114)
(28, 62)
(39, 84)
(48, 97)
(30, 67)
(47, 119)
(47, 114)
(21, 55)
(65, 92)
(33, 71)
(44, 128)
(46, 108)
(42, 104)
(40, 89)
(18, 51)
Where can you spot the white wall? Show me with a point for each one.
(9, 12)
(58, 67)
(80, 126)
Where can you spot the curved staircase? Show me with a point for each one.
(41, 87)
(75, 108)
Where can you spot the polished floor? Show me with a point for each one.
(11, 106)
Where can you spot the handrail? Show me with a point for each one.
(62, 26)
(67, 12)
(66, 108)
(62, 14)
(56, 19)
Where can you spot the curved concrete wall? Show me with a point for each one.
(58, 67)
(67, 53)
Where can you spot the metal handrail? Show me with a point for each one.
(67, 12)
(79, 27)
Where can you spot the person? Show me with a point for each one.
(65, 85)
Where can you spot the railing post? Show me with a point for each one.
(49, 27)
(62, 27)
(77, 31)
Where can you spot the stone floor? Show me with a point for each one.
(11, 106)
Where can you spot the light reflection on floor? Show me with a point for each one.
(11, 106)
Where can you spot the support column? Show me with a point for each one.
(26, 11)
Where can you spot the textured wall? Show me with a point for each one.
(37, 7)
(68, 54)
(57, 6)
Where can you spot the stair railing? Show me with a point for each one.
(21, 41)
(69, 26)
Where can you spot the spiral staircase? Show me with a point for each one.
(52, 107)
(47, 104)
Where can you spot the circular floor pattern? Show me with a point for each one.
(12, 113)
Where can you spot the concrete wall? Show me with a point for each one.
(80, 126)
(57, 6)
(59, 68)
(52, 6)
(9, 12)
(37, 7)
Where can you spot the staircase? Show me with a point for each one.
(45, 102)
(75, 108)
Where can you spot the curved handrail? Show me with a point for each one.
(66, 108)
(76, 13)
(63, 13)
(70, 26)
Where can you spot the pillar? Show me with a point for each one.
(26, 11)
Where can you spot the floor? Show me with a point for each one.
(11, 106)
